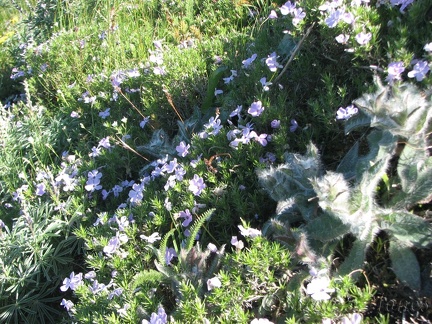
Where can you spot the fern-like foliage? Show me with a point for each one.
(346, 201)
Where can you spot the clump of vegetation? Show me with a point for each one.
(146, 146)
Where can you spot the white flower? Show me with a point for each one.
(213, 283)
(318, 288)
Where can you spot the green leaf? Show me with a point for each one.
(409, 228)
(349, 162)
(405, 265)
(355, 259)
(357, 121)
(326, 228)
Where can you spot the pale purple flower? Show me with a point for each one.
(333, 19)
(72, 282)
(170, 253)
(187, 217)
(90, 275)
(346, 113)
(105, 194)
(348, 17)
(318, 288)
(421, 68)
(342, 38)
(105, 143)
(272, 15)
(238, 244)
(275, 123)
(152, 238)
(93, 181)
(246, 63)
(136, 193)
(116, 292)
(40, 189)
(256, 108)
(182, 149)
(97, 287)
(265, 84)
(114, 243)
(363, 38)
(74, 114)
(213, 283)
(355, 318)
(67, 304)
(144, 122)
(123, 311)
(272, 63)
(249, 232)
(299, 15)
(116, 190)
(159, 70)
(159, 318)
(394, 71)
(196, 185)
(236, 112)
(262, 139)
(403, 3)
(293, 126)
(218, 92)
(287, 8)
(104, 114)
(95, 152)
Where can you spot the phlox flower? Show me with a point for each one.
(40, 189)
(95, 151)
(72, 282)
(196, 185)
(299, 15)
(159, 70)
(272, 63)
(262, 139)
(136, 193)
(272, 15)
(293, 126)
(265, 84)
(114, 243)
(90, 275)
(428, 47)
(144, 122)
(152, 238)
(74, 114)
(247, 63)
(287, 8)
(421, 68)
(249, 232)
(256, 108)
(318, 288)
(182, 149)
(105, 143)
(116, 190)
(403, 3)
(157, 318)
(123, 311)
(97, 287)
(170, 253)
(346, 113)
(355, 318)
(237, 111)
(363, 38)
(187, 217)
(93, 181)
(213, 283)
(394, 71)
(342, 38)
(67, 304)
(238, 244)
(261, 321)
(275, 123)
(218, 92)
(116, 292)
(104, 114)
(212, 248)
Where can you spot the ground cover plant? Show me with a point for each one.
(220, 161)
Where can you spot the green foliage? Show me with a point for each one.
(348, 199)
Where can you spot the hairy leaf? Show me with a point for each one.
(405, 265)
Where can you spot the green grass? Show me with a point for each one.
(71, 51)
